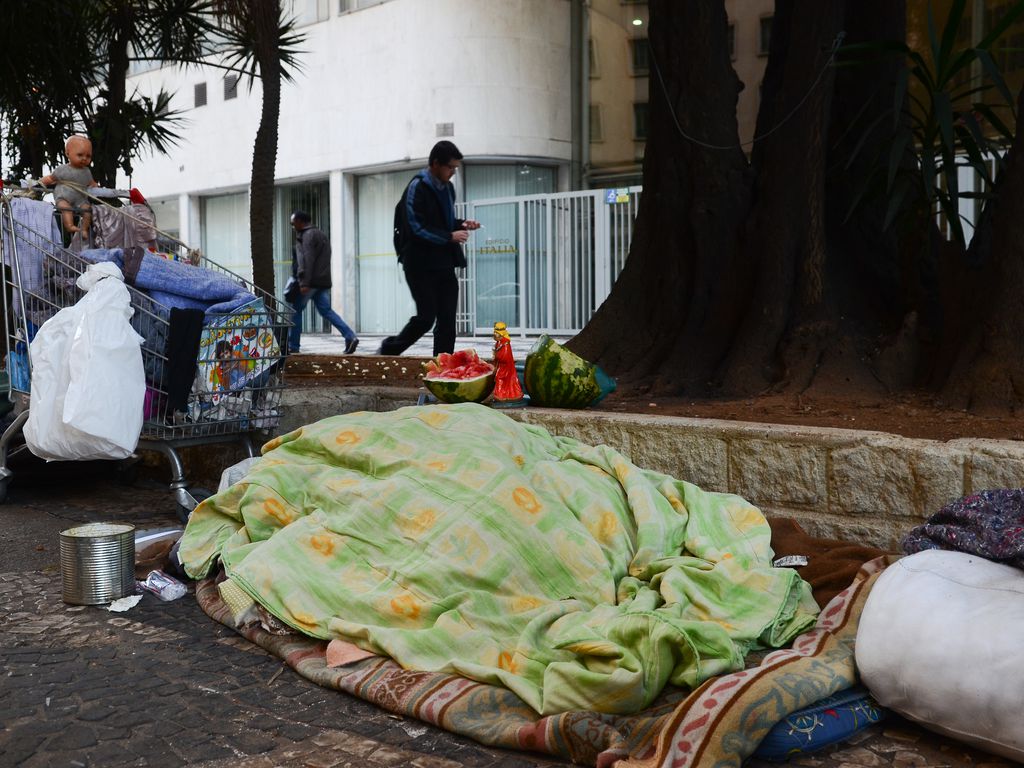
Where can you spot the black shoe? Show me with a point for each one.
(350, 346)
(385, 347)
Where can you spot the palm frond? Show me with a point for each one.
(249, 29)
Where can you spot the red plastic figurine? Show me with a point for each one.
(506, 382)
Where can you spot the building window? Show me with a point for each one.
(230, 87)
(496, 259)
(485, 181)
(764, 37)
(592, 58)
(168, 223)
(309, 11)
(345, 6)
(383, 302)
(641, 55)
(200, 94)
(640, 121)
(731, 38)
(596, 129)
(224, 231)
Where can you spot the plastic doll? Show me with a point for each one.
(506, 382)
(71, 196)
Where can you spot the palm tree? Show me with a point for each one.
(43, 96)
(262, 43)
(79, 82)
(137, 30)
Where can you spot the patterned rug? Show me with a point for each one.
(718, 724)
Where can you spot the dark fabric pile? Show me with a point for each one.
(989, 524)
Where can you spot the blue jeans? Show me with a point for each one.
(321, 298)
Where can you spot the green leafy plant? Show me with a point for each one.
(81, 84)
(939, 121)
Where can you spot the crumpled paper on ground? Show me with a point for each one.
(124, 603)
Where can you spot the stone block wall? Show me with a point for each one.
(866, 487)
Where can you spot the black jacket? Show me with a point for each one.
(432, 223)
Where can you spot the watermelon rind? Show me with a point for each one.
(554, 377)
(473, 390)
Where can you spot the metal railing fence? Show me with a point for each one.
(544, 263)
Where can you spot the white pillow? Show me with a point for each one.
(941, 641)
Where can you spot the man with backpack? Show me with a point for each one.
(428, 241)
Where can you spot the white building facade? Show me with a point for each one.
(380, 83)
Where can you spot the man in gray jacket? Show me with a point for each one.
(312, 268)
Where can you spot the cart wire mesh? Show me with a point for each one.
(210, 373)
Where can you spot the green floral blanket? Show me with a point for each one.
(455, 539)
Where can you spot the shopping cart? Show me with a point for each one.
(213, 375)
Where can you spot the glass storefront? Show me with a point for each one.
(384, 300)
(225, 231)
(383, 303)
(225, 228)
(313, 197)
(482, 182)
(494, 250)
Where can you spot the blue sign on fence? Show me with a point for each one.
(614, 196)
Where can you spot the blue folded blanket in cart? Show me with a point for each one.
(175, 284)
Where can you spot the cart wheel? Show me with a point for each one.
(199, 494)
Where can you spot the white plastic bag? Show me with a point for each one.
(88, 382)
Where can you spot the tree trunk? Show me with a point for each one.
(828, 287)
(745, 277)
(788, 318)
(266, 15)
(672, 311)
(988, 372)
(731, 285)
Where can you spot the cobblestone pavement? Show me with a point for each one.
(164, 685)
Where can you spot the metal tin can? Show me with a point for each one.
(97, 563)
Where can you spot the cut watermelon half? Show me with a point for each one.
(459, 377)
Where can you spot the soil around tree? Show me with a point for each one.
(919, 415)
